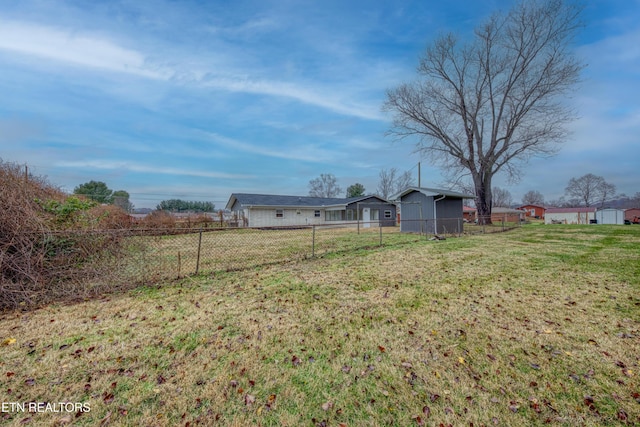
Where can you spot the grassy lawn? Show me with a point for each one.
(540, 325)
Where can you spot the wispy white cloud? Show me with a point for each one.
(307, 153)
(136, 167)
(68, 46)
(92, 51)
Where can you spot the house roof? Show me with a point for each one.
(570, 210)
(274, 200)
(468, 209)
(531, 206)
(432, 192)
(501, 210)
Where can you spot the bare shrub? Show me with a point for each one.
(158, 219)
(109, 217)
(46, 251)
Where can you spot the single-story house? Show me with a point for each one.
(469, 213)
(533, 211)
(431, 210)
(580, 215)
(610, 216)
(501, 214)
(268, 210)
(632, 215)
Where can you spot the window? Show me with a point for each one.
(352, 214)
(387, 214)
(334, 215)
(316, 214)
(279, 213)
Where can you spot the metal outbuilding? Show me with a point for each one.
(610, 216)
(431, 210)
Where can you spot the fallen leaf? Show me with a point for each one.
(327, 405)
(107, 397)
(295, 360)
(249, 399)
(9, 341)
(271, 401)
(622, 415)
(381, 348)
(461, 360)
(426, 411)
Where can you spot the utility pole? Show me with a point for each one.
(419, 186)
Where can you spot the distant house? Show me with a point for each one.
(580, 215)
(632, 215)
(431, 210)
(501, 214)
(268, 210)
(610, 216)
(469, 213)
(533, 211)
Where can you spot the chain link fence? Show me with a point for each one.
(82, 264)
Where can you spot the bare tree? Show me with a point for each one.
(404, 181)
(501, 197)
(386, 185)
(325, 185)
(391, 183)
(533, 197)
(590, 189)
(489, 105)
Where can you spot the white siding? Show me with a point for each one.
(569, 217)
(610, 216)
(267, 217)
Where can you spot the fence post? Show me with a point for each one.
(380, 227)
(199, 247)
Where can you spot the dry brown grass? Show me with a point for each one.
(536, 326)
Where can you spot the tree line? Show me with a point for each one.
(177, 205)
(99, 192)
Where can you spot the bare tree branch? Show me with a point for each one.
(488, 106)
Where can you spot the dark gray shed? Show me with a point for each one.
(431, 210)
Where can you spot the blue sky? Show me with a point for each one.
(199, 99)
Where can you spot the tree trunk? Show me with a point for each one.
(483, 199)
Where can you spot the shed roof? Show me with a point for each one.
(274, 200)
(432, 192)
(570, 210)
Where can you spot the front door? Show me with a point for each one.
(366, 217)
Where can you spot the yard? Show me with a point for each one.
(539, 325)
